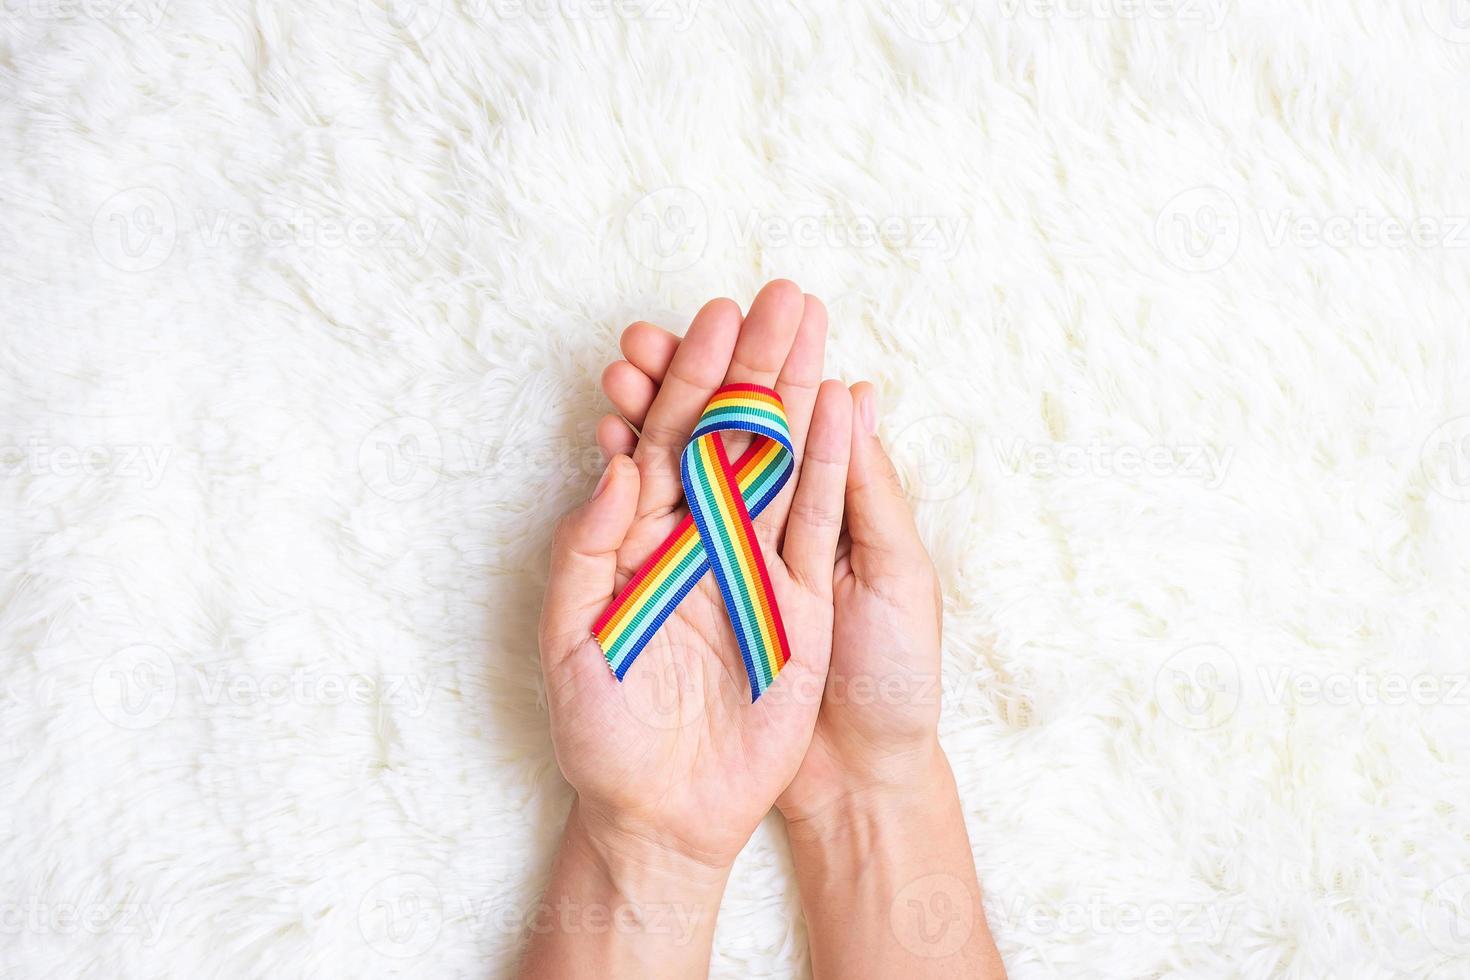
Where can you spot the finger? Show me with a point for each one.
(614, 437)
(629, 389)
(765, 340)
(584, 560)
(767, 334)
(800, 378)
(879, 520)
(649, 348)
(843, 566)
(816, 509)
(696, 370)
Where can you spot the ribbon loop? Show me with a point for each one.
(716, 535)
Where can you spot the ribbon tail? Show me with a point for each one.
(723, 521)
(650, 597)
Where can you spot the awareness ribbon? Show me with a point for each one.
(718, 534)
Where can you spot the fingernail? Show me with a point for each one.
(602, 483)
(870, 412)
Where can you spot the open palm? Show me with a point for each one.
(677, 750)
(881, 700)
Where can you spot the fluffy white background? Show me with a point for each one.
(277, 489)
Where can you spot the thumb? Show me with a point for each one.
(584, 560)
(879, 520)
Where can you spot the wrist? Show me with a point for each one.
(621, 905)
(849, 793)
(897, 857)
(641, 857)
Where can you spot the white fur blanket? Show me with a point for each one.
(304, 307)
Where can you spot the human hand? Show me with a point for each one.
(676, 760)
(877, 731)
(877, 831)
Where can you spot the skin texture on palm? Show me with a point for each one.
(676, 755)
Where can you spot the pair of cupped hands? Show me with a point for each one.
(676, 763)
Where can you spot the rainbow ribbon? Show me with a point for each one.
(722, 499)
